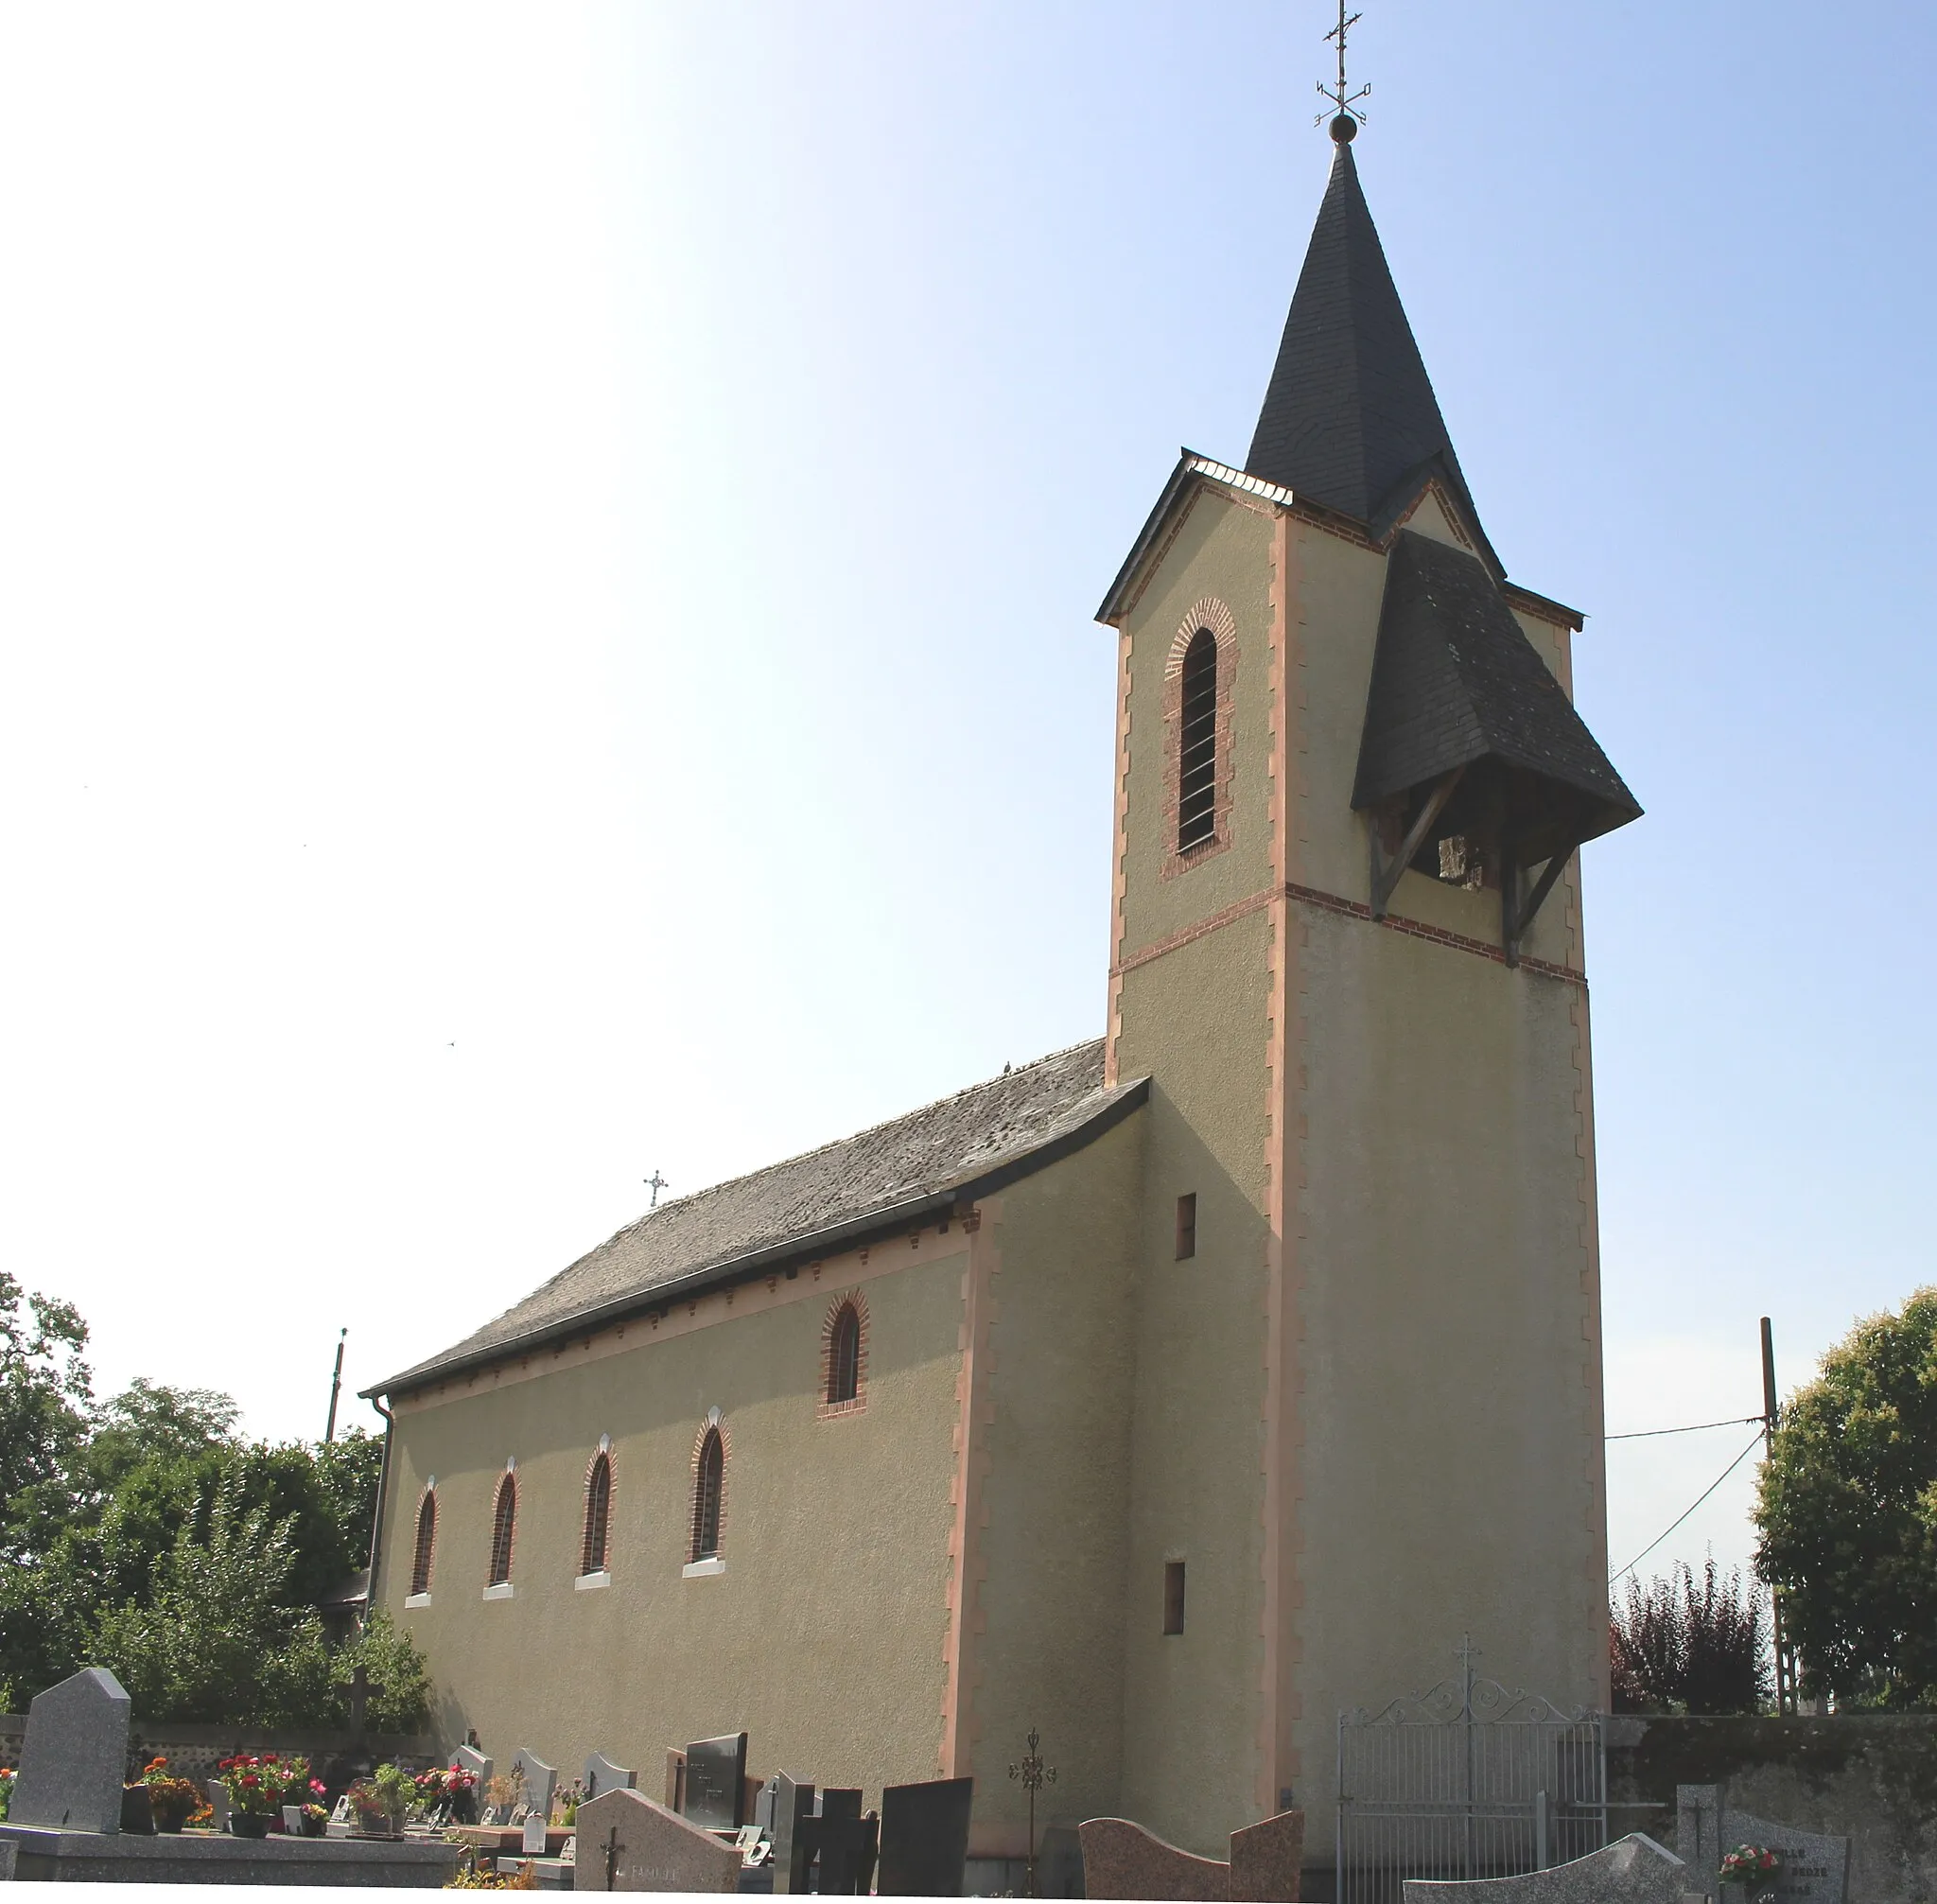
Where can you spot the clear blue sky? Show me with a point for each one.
(548, 595)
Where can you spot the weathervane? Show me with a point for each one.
(1345, 117)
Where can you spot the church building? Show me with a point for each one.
(1184, 1389)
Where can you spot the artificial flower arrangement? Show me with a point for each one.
(447, 1789)
(382, 1800)
(259, 1786)
(172, 1800)
(1749, 1864)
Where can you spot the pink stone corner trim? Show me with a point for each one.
(1119, 877)
(967, 1567)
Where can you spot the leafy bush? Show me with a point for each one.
(1684, 1646)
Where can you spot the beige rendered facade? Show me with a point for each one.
(1363, 1411)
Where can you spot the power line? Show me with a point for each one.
(1693, 1428)
(1690, 1509)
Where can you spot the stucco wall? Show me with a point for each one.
(1053, 1539)
(824, 1636)
(1197, 1020)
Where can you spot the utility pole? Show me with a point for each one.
(336, 1387)
(1772, 1411)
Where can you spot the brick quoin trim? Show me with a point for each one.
(1207, 612)
(715, 1421)
(422, 1552)
(602, 1452)
(826, 1410)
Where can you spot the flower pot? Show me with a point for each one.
(138, 1814)
(249, 1823)
(171, 1822)
(315, 1827)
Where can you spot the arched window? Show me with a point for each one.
(843, 1355)
(1196, 778)
(426, 1540)
(598, 1515)
(707, 1482)
(503, 1519)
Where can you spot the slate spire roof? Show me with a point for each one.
(1349, 419)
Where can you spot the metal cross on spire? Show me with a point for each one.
(1345, 117)
(654, 1183)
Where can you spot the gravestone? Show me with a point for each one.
(1815, 1865)
(1631, 1870)
(8, 1853)
(924, 1838)
(845, 1843)
(601, 1774)
(715, 1788)
(539, 1780)
(626, 1843)
(788, 1811)
(74, 1755)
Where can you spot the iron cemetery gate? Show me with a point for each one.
(1468, 1780)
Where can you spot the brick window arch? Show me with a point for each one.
(708, 1492)
(504, 1516)
(844, 1354)
(595, 1549)
(1197, 769)
(1199, 679)
(427, 1542)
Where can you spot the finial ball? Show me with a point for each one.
(1344, 130)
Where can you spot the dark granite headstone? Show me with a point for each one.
(790, 1817)
(847, 1845)
(1815, 1865)
(715, 1791)
(924, 1838)
(73, 1755)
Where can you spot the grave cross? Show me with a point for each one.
(360, 1685)
(613, 1847)
(1034, 1776)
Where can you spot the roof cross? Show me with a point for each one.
(1345, 117)
(654, 1183)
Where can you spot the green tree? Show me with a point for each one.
(44, 1403)
(1847, 1512)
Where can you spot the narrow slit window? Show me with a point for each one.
(1187, 1225)
(427, 1542)
(706, 1497)
(598, 1518)
(1197, 778)
(843, 1355)
(503, 1523)
(1173, 1596)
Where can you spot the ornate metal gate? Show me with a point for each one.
(1468, 1780)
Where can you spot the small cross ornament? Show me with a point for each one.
(1032, 1776)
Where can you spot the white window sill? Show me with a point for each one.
(590, 1582)
(502, 1591)
(694, 1570)
(417, 1599)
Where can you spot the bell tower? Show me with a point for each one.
(1347, 948)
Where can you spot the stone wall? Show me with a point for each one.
(1872, 1776)
(193, 1751)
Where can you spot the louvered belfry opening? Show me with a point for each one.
(1196, 779)
(426, 1540)
(598, 1516)
(503, 1520)
(844, 1356)
(706, 1497)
